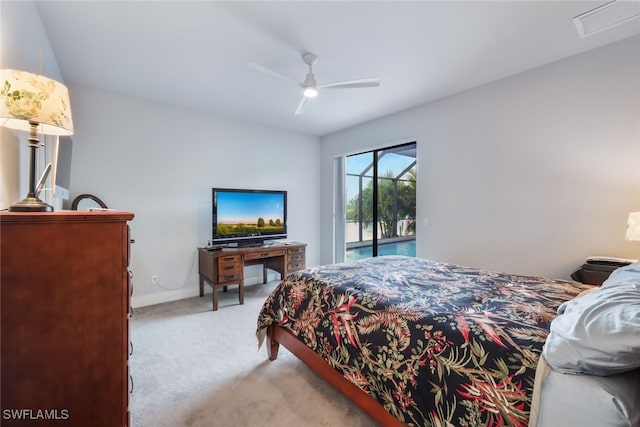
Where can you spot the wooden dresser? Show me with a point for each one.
(65, 304)
(221, 268)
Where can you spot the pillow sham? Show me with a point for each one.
(599, 333)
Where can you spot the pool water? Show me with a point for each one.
(406, 247)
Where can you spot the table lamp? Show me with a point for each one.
(36, 104)
(633, 227)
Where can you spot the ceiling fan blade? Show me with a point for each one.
(271, 72)
(301, 105)
(371, 82)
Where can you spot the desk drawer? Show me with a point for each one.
(297, 250)
(229, 268)
(229, 259)
(295, 266)
(229, 273)
(296, 258)
(265, 254)
(229, 277)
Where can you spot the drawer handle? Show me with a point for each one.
(229, 267)
(229, 277)
(229, 258)
(130, 347)
(264, 254)
(130, 384)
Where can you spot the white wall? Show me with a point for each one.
(529, 174)
(160, 163)
(23, 41)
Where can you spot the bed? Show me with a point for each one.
(418, 342)
(589, 371)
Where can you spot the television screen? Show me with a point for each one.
(248, 216)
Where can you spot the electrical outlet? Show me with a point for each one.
(155, 280)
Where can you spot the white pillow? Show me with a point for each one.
(629, 273)
(599, 333)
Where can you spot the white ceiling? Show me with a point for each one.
(195, 54)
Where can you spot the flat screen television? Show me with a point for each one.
(243, 217)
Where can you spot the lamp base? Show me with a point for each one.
(31, 204)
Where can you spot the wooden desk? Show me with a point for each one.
(225, 267)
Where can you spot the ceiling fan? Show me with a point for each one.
(309, 85)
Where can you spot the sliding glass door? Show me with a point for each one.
(359, 209)
(381, 202)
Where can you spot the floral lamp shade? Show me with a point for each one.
(31, 98)
(633, 226)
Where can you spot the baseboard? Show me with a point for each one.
(182, 293)
(165, 296)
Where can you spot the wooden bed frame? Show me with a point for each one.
(277, 335)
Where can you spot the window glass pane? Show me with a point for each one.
(359, 163)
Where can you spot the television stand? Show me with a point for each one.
(225, 267)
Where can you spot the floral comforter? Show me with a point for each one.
(436, 344)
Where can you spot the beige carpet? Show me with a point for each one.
(195, 367)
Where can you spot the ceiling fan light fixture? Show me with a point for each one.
(310, 92)
(310, 86)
